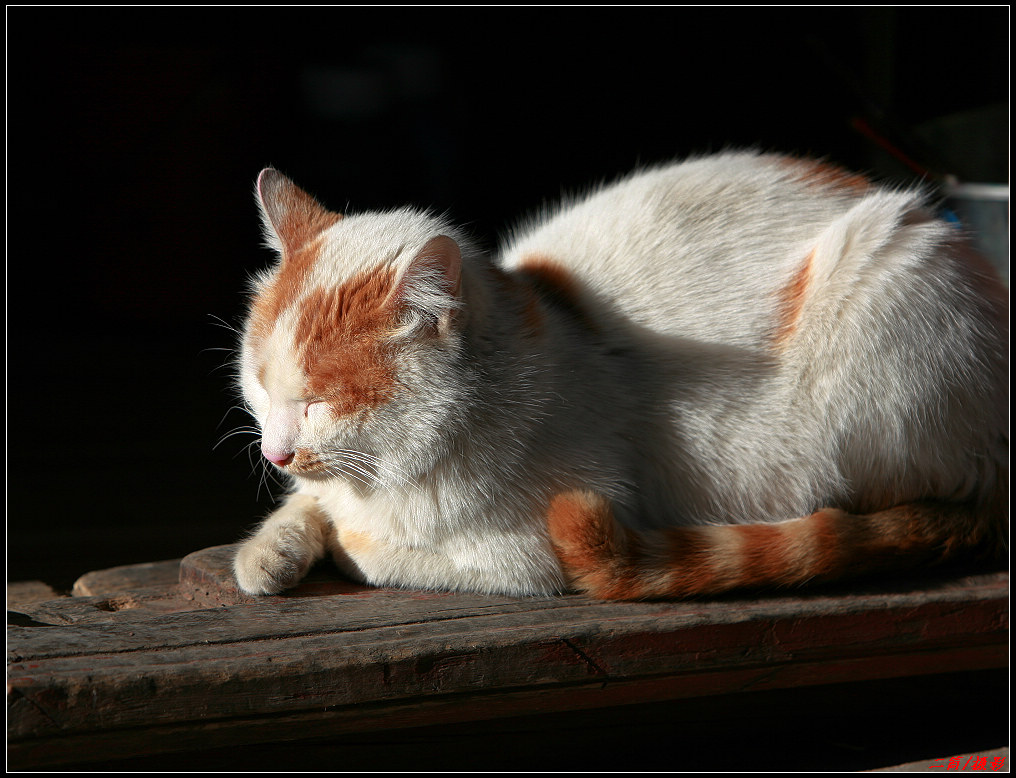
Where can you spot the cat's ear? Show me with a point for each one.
(291, 217)
(441, 258)
(430, 286)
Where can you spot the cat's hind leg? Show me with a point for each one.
(284, 547)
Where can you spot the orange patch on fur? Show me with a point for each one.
(783, 554)
(827, 175)
(298, 221)
(848, 545)
(302, 220)
(581, 528)
(287, 285)
(354, 543)
(689, 554)
(790, 302)
(556, 288)
(305, 461)
(593, 550)
(764, 557)
(341, 336)
(608, 561)
(814, 545)
(924, 524)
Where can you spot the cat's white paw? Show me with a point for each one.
(268, 565)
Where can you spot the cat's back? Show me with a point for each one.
(792, 313)
(679, 248)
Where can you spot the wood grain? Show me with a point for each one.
(195, 663)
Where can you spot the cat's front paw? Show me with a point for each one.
(268, 565)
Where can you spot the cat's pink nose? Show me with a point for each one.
(280, 458)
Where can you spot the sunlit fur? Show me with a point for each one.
(723, 343)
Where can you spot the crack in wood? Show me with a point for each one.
(594, 668)
(15, 694)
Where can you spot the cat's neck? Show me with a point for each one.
(531, 358)
(507, 359)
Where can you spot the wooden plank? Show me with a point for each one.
(869, 618)
(23, 594)
(122, 580)
(298, 657)
(196, 663)
(387, 716)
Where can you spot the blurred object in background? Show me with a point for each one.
(983, 211)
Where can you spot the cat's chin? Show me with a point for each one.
(310, 473)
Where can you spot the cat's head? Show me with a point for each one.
(350, 346)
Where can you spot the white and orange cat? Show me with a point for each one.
(740, 370)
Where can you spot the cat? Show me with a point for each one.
(740, 370)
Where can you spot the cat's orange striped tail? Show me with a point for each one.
(602, 558)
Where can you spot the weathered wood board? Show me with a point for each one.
(171, 657)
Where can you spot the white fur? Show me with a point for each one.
(681, 407)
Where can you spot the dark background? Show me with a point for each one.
(134, 140)
(135, 137)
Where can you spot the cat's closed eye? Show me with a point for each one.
(315, 409)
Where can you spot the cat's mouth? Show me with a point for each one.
(304, 463)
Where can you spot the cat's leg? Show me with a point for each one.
(516, 565)
(604, 559)
(284, 547)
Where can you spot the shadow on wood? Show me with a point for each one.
(169, 657)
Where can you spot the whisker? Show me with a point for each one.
(227, 365)
(378, 464)
(242, 408)
(218, 321)
(257, 466)
(343, 470)
(254, 463)
(353, 465)
(234, 433)
(351, 468)
(365, 469)
(268, 472)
